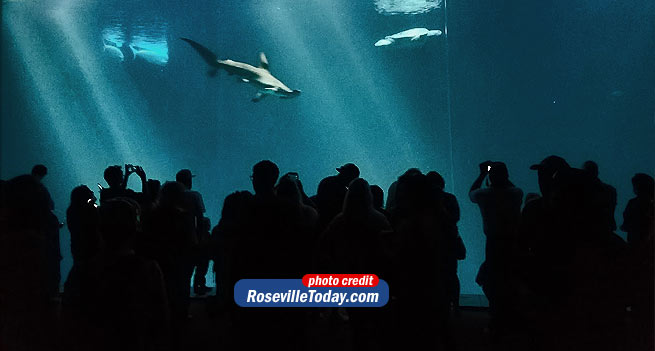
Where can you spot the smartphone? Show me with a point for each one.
(488, 168)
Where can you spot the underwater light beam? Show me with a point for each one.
(28, 46)
(369, 83)
(110, 110)
(294, 40)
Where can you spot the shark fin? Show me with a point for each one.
(258, 97)
(205, 53)
(272, 89)
(245, 80)
(416, 37)
(263, 61)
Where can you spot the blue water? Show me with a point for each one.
(512, 82)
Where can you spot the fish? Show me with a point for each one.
(410, 37)
(149, 56)
(113, 51)
(260, 77)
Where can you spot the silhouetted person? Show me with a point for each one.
(262, 251)
(305, 199)
(26, 314)
(332, 191)
(500, 206)
(352, 235)
(583, 303)
(172, 230)
(123, 295)
(223, 245)
(52, 226)
(458, 250)
(606, 194)
(424, 241)
(638, 214)
(352, 243)
(537, 222)
(639, 223)
(378, 200)
(118, 184)
(196, 207)
(82, 221)
(82, 218)
(391, 193)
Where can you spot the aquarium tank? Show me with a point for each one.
(385, 84)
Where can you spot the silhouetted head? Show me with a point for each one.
(264, 176)
(348, 172)
(184, 177)
(287, 189)
(81, 196)
(118, 222)
(410, 172)
(39, 171)
(591, 168)
(154, 187)
(573, 198)
(642, 185)
(435, 179)
(24, 201)
(233, 206)
(547, 169)
(172, 195)
(114, 176)
(358, 198)
(413, 191)
(378, 196)
(499, 175)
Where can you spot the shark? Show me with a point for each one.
(259, 77)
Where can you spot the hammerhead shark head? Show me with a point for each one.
(260, 77)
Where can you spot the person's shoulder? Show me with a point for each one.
(478, 194)
(449, 196)
(481, 192)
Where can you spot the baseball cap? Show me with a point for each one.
(551, 163)
(349, 169)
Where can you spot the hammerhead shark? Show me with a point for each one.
(260, 77)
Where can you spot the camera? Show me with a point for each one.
(130, 168)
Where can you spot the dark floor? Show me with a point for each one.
(210, 329)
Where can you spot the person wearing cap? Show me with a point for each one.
(537, 216)
(500, 207)
(196, 207)
(331, 193)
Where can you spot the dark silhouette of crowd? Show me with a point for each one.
(555, 273)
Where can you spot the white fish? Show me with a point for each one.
(113, 51)
(149, 56)
(260, 77)
(410, 37)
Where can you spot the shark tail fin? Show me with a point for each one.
(205, 53)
